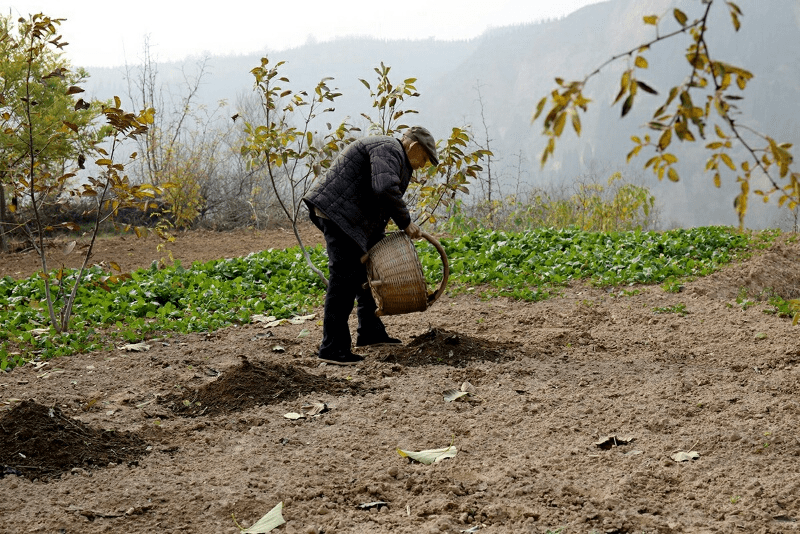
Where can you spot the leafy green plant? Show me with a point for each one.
(203, 297)
(743, 300)
(148, 302)
(679, 309)
(529, 265)
(672, 285)
(766, 238)
(785, 308)
(627, 293)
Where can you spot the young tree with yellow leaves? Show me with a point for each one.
(701, 106)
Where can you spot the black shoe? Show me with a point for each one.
(347, 358)
(364, 341)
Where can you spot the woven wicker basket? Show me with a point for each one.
(395, 276)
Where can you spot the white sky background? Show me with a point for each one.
(106, 34)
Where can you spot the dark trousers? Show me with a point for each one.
(346, 278)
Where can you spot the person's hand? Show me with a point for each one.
(413, 231)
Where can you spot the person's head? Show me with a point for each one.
(420, 147)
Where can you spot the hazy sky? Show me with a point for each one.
(105, 33)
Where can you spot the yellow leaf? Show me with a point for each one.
(665, 140)
(561, 120)
(651, 19)
(641, 62)
(625, 80)
(673, 175)
(147, 116)
(684, 134)
(576, 123)
(680, 16)
(727, 160)
(735, 21)
(539, 108)
(717, 181)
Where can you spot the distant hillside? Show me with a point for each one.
(515, 66)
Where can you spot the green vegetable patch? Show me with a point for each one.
(208, 296)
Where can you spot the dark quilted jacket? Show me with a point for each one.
(364, 188)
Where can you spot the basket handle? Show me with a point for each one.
(445, 266)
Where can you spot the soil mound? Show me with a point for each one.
(772, 272)
(40, 442)
(443, 347)
(253, 383)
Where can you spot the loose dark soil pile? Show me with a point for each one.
(39, 442)
(438, 346)
(253, 383)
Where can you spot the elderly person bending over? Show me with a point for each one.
(352, 205)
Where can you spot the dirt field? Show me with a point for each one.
(181, 436)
